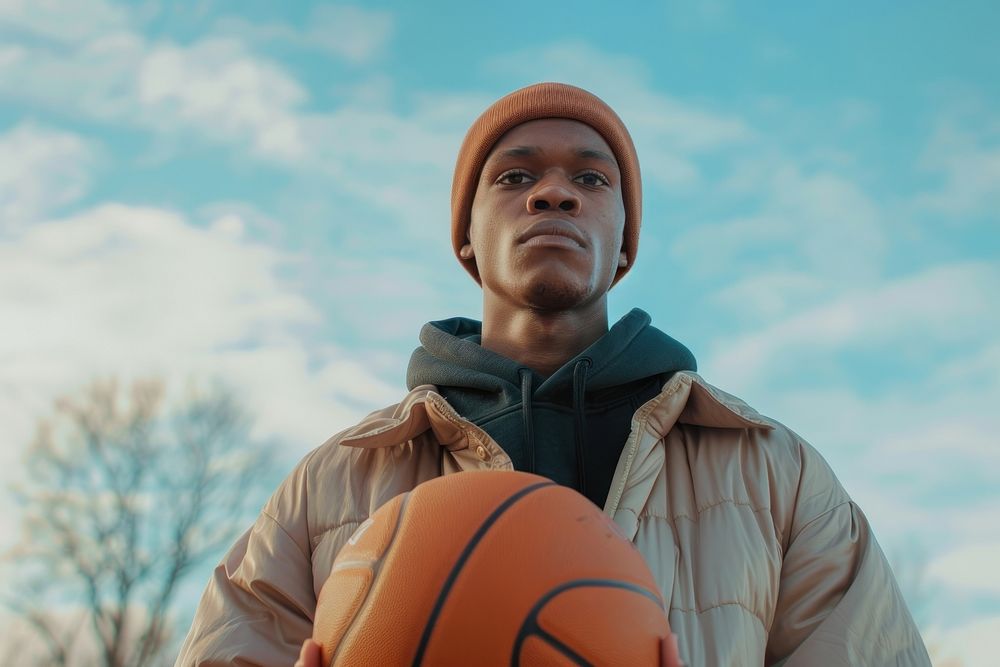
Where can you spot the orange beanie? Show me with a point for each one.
(544, 100)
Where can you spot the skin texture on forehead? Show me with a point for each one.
(546, 296)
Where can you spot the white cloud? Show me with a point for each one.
(373, 92)
(61, 21)
(95, 79)
(665, 122)
(973, 644)
(770, 294)
(979, 370)
(854, 112)
(249, 217)
(41, 169)
(101, 67)
(10, 55)
(382, 139)
(393, 163)
(940, 448)
(133, 291)
(353, 33)
(966, 153)
(704, 15)
(972, 568)
(947, 304)
(388, 299)
(216, 87)
(772, 51)
(213, 88)
(816, 222)
(903, 445)
(669, 170)
(974, 522)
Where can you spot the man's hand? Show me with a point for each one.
(310, 655)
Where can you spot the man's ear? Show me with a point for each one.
(622, 260)
(466, 251)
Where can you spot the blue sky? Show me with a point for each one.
(259, 192)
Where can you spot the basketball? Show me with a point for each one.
(491, 568)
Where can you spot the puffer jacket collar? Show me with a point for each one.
(695, 402)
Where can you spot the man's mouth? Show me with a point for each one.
(554, 232)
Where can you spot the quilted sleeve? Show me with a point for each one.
(258, 606)
(838, 602)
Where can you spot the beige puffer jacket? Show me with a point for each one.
(762, 555)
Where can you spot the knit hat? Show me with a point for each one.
(544, 100)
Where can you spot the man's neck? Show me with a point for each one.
(543, 341)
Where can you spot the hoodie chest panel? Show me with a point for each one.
(551, 448)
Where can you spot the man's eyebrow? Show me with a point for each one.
(530, 151)
(521, 151)
(596, 154)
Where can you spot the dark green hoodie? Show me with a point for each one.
(570, 427)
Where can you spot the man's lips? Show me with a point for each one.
(545, 230)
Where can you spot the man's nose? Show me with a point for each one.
(548, 196)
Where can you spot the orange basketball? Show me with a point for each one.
(491, 568)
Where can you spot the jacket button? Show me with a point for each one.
(482, 453)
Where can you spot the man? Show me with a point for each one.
(761, 554)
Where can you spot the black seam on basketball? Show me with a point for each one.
(531, 626)
(557, 645)
(460, 563)
(362, 608)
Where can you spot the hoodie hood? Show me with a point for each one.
(580, 415)
(451, 356)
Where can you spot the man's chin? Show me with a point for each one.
(555, 295)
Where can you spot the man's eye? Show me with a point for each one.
(593, 178)
(513, 178)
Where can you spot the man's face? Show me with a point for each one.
(548, 216)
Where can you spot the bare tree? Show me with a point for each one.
(910, 565)
(123, 497)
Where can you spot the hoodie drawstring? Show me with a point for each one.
(580, 370)
(579, 396)
(529, 431)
